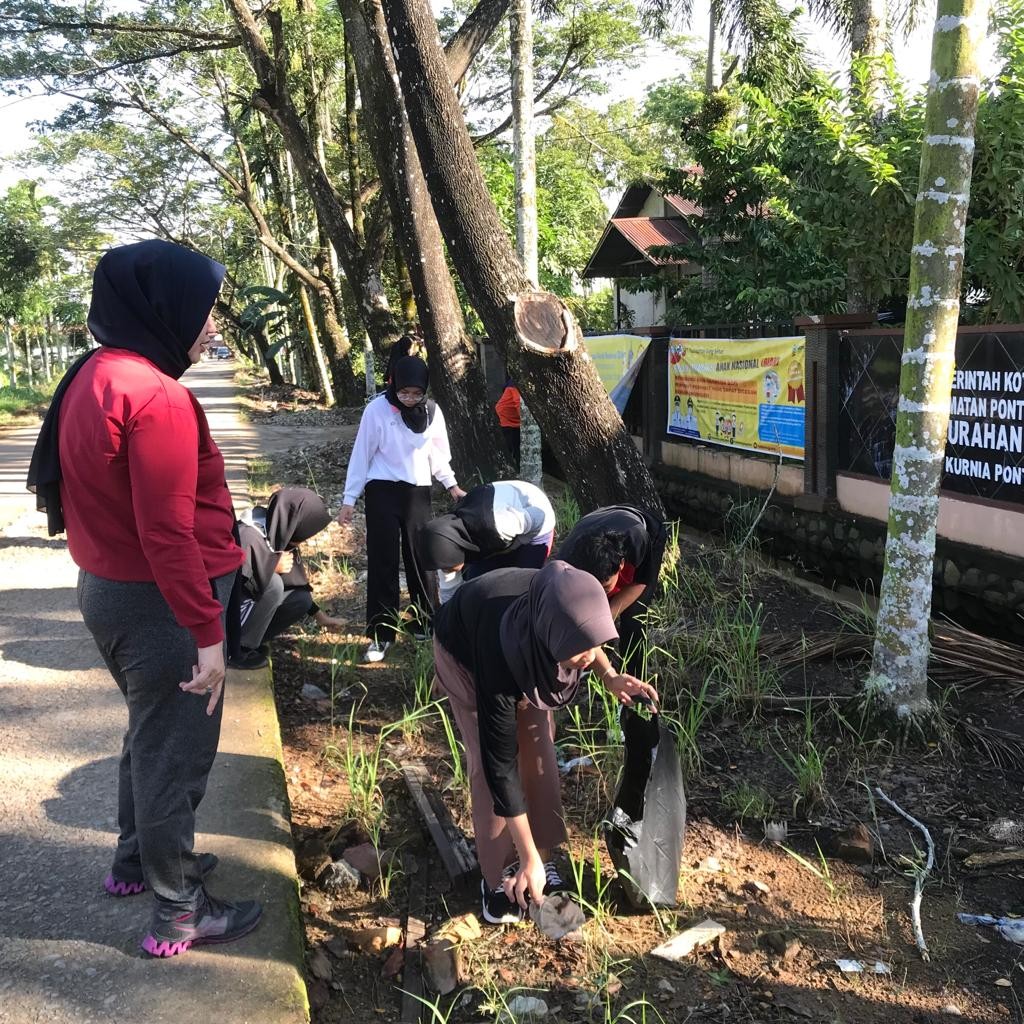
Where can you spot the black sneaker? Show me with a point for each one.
(497, 907)
(553, 881)
(212, 921)
(248, 660)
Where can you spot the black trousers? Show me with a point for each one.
(394, 512)
(512, 436)
(170, 743)
(633, 620)
(278, 608)
(526, 556)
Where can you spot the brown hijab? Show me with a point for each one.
(564, 613)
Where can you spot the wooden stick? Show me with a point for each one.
(919, 876)
(450, 842)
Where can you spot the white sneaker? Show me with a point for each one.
(376, 651)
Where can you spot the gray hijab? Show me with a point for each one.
(564, 613)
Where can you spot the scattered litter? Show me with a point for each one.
(952, 1010)
(373, 940)
(1004, 982)
(712, 864)
(576, 762)
(756, 888)
(522, 1007)
(558, 917)
(1011, 928)
(686, 942)
(776, 831)
(856, 967)
(465, 928)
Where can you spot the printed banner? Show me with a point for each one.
(618, 358)
(743, 393)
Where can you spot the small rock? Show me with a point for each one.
(311, 858)
(712, 864)
(318, 993)
(373, 940)
(350, 834)
(613, 985)
(311, 692)
(320, 966)
(366, 859)
(1004, 982)
(442, 965)
(664, 985)
(339, 876)
(521, 1008)
(854, 845)
(686, 942)
(758, 889)
(394, 964)
(952, 1010)
(782, 944)
(558, 916)
(338, 946)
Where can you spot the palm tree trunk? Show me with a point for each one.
(898, 679)
(710, 77)
(12, 365)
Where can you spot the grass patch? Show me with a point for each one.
(18, 403)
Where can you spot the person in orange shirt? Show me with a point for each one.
(507, 407)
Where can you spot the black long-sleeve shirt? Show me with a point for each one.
(642, 532)
(468, 627)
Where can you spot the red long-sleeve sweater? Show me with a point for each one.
(143, 487)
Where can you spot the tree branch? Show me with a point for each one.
(470, 37)
(35, 25)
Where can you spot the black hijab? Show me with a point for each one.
(293, 515)
(411, 372)
(564, 613)
(444, 542)
(151, 298)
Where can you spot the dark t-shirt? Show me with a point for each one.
(639, 529)
(468, 627)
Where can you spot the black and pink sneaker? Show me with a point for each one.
(117, 887)
(212, 921)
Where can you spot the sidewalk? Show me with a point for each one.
(69, 953)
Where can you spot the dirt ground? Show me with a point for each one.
(759, 744)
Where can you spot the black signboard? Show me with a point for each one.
(985, 441)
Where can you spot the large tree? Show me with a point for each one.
(899, 670)
(533, 330)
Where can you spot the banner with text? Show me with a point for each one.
(984, 454)
(743, 393)
(618, 358)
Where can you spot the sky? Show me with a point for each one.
(912, 58)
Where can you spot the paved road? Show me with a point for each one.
(68, 952)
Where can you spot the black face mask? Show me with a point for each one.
(151, 298)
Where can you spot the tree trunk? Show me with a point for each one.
(273, 98)
(318, 351)
(899, 669)
(44, 344)
(524, 151)
(29, 373)
(534, 331)
(869, 38)
(355, 171)
(460, 388)
(710, 76)
(405, 288)
(12, 364)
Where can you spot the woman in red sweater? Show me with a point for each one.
(126, 464)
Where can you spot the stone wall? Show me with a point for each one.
(981, 589)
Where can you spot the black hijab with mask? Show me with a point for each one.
(151, 298)
(411, 372)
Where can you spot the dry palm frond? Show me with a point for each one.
(1003, 749)
(958, 656)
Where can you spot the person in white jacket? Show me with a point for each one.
(401, 444)
(507, 524)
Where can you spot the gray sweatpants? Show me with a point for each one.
(170, 743)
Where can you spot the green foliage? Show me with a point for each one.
(801, 191)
